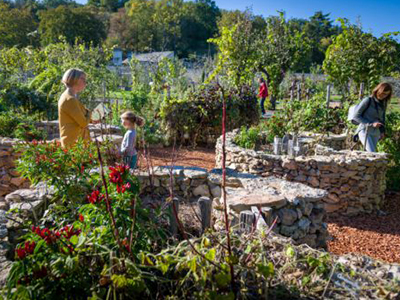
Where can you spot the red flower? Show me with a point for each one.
(34, 142)
(81, 218)
(115, 177)
(21, 253)
(123, 188)
(95, 197)
(117, 173)
(27, 249)
(68, 231)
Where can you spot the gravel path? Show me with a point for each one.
(374, 235)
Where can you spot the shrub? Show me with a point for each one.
(19, 126)
(248, 137)
(391, 144)
(199, 114)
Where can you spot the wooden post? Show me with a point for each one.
(328, 95)
(205, 205)
(308, 94)
(173, 222)
(247, 220)
(261, 224)
(299, 91)
(277, 145)
(292, 90)
(361, 95)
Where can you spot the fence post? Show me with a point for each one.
(292, 90)
(173, 222)
(328, 95)
(361, 95)
(205, 205)
(247, 219)
(299, 91)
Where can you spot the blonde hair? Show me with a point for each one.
(71, 77)
(381, 88)
(131, 117)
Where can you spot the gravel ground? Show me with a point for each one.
(374, 235)
(377, 236)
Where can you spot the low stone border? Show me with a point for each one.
(355, 180)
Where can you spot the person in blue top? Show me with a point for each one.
(370, 115)
(128, 150)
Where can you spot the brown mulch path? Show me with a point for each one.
(198, 157)
(373, 235)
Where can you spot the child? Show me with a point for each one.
(129, 120)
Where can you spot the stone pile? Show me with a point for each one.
(355, 180)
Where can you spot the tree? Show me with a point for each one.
(198, 24)
(360, 57)
(238, 56)
(17, 27)
(82, 23)
(281, 47)
(111, 5)
(274, 50)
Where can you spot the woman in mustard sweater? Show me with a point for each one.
(73, 116)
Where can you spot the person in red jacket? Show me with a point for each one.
(263, 93)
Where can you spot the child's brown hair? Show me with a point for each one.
(134, 119)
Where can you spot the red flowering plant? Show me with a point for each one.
(66, 169)
(69, 253)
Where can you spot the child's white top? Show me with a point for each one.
(128, 143)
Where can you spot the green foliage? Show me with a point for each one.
(21, 98)
(176, 25)
(248, 137)
(361, 57)
(65, 169)
(17, 27)
(82, 23)
(88, 250)
(20, 126)
(200, 113)
(47, 67)
(391, 144)
(272, 50)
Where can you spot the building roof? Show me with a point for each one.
(152, 56)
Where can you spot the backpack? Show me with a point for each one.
(352, 111)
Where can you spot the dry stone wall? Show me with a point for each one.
(9, 177)
(355, 180)
(297, 208)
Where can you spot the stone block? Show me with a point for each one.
(202, 190)
(287, 216)
(258, 199)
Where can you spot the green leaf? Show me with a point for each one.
(74, 240)
(222, 279)
(266, 270)
(211, 254)
(290, 252)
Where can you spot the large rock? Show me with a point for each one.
(24, 195)
(258, 199)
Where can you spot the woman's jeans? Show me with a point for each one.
(373, 135)
(131, 161)
(262, 105)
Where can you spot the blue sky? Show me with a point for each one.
(377, 16)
